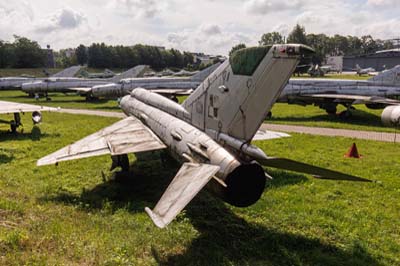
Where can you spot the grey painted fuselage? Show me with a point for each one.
(124, 87)
(297, 88)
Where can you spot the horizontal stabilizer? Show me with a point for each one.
(190, 179)
(317, 172)
(268, 135)
(126, 136)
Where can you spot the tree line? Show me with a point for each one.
(100, 55)
(325, 45)
(22, 53)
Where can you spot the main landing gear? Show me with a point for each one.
(120, 161)
(14, 124)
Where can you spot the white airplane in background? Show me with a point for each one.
(13, 83)
(376, 93)
(364, 71)
(80, 85)
(17, 108)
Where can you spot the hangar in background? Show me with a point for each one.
(380, 60)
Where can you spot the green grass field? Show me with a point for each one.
(77, 213)
(61, 100)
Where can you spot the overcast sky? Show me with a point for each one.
(210, 26)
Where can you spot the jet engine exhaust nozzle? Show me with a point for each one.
(245, 185)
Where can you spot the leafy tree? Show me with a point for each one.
(298, 35)
(81, 55)
(237, 47)
(28, 53)
(271, 38)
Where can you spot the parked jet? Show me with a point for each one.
(66, 85)
(16, 82)
(170, 87)
(329, 93)
(364, 71)
(17, 108)
(210, 133)
(106, 74)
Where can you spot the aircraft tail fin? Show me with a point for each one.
(202, 75)
(389, 77)
(236, 98)
(134, 72)
(68, 72)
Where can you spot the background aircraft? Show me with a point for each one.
(17, 108)
(210, 133)
(66, 85)
(106, 74)
(170, 87)
(328, 93)
(364, 71)
(16, 82)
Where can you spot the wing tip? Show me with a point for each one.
(157, 220)
(44, 161)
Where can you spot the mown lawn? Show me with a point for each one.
(77, 213)
(70, 100)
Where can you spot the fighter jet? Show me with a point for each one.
(169, 87)
(18, 108)
(80, 85)
(210, 133)
(328, 93)
(364, 71)
(106, 74)
(16, 82)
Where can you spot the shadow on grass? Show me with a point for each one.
(224, 238)
(35, 135)
(358, 118)
(5, 158)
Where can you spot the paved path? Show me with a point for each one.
(331, 132)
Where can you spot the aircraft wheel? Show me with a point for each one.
(13, 126)
(345, 115)
(331, 111)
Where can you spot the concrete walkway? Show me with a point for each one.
(331, 132)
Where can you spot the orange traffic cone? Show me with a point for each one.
(353, 152)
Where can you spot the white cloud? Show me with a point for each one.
(262, 7)
(384, 3)
(209, 26)
(138, 8)
(65, 18)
